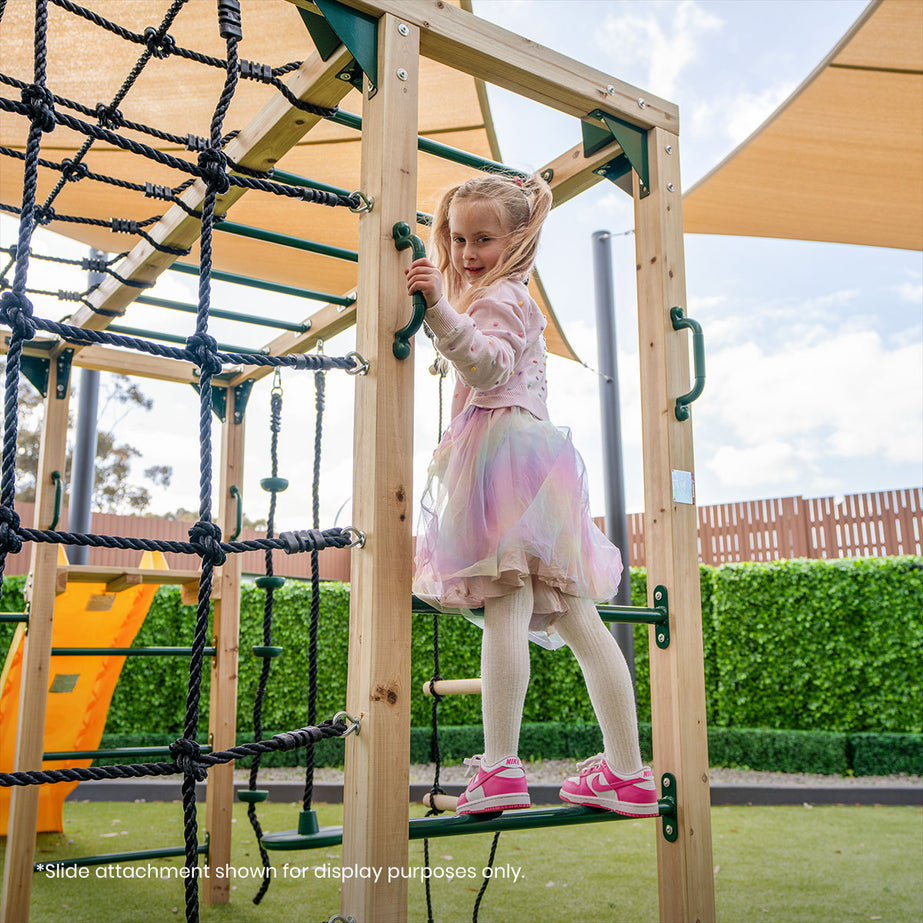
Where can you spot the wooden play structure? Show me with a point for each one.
(630, 138)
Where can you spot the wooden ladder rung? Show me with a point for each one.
(452, 687)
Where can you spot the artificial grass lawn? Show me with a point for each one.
(776, 864)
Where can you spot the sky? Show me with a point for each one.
(814, 350)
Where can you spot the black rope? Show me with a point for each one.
(487, 877)
(275, 425)
(315, 584)
(193, 350)
(187, 759)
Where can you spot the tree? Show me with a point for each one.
(113, 489)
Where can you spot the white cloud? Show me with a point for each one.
(736, 115)
(911, 292)
(847, 395)
(665, 51)
(771, 463)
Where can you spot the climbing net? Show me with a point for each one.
(44, 111)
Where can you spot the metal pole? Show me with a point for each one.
(616, 520)
(85, 450)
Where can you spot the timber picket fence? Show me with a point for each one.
(887, 522)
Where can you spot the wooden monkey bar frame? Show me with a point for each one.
(376, 812)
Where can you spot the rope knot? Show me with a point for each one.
(206, 538)
(202, 350)
(16, 313)
(213, 164)
(186, 754)
(72, 172)
(44, 214)
(10, 542)
(108, 116)
(160, 47)
(39, 101)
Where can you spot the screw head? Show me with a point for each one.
(670, 187)
(610, 90)
(344, 75)
(661, 638)
(401, 74)
(666, 783)
(668, 830)
(669, 148)
(402, 28)
(642, 104)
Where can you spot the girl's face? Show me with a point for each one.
(478, 238)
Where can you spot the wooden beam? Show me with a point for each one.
(131, 576)
(276, 128)
(379, 691)
(33, 696)
(474, 46)
(573, 173)
(671, 540)
(222, 709)
(325, 323)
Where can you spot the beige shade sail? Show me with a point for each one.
(842, 159)
(88, 64)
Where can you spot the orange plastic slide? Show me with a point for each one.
(80, 687)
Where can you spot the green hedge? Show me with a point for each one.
(830, 646)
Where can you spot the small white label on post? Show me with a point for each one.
(683, 487)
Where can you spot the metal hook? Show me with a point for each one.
(277, 382)
(354, 722)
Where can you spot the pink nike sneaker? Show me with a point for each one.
(598, 786)
(494, 788)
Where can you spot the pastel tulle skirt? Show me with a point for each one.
(506, 501)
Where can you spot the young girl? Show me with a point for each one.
(505, 522)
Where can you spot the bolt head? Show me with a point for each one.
(610, 90)
(661, 638)
(344, 75)
(669, 148)
(402, 28)
(401, 74)
(642, 104)
(668, 830)
(666, 783)
(670, 187)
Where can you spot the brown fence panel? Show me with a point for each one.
(888, 522)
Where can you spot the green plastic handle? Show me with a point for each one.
(698, 359)
(403, 239)
(58, 496)
(235, 493)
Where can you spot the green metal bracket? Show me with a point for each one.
(35, 370)
(631, 139)
(667, 802)
(64, 373)
(219, 400)
(241, 396)
(358, 31)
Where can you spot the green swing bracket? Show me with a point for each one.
(336, 25)
(220, 400)
(601, 129)
(658, 616)
(667, 802)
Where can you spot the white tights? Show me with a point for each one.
(505, 677)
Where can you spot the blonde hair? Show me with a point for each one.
(521, 206)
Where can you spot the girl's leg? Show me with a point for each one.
(608, 683)
(505, 671)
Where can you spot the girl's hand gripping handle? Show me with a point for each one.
(402, 240)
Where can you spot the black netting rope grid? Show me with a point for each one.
(319, 384)
(205, 535)
(275, 425)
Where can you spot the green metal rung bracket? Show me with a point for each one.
(667, 802)
(341, 25)
(241, 397)
(63, 363)
(631, 139)
(35, 371)
(13, 617)
(219, 400)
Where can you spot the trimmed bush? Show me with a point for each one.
(886, 754)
